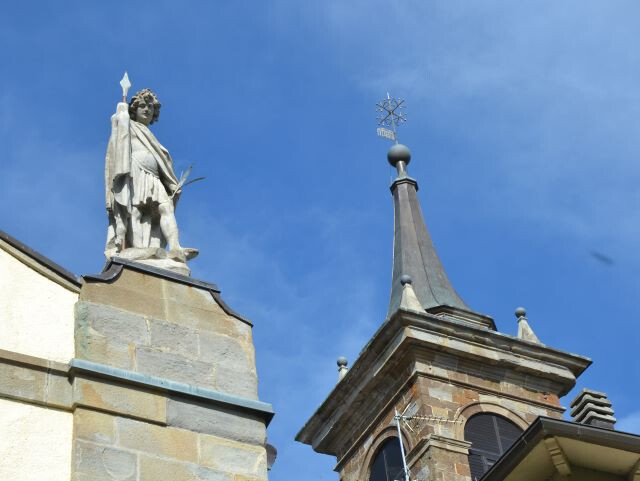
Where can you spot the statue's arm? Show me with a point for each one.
(120, 154)
(122, 116)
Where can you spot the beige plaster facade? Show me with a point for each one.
(36, 442)
(36, 307)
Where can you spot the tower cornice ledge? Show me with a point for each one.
(402, 348)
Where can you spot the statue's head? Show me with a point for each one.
(144, 107)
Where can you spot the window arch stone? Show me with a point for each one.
(382, 437)
(464, 413)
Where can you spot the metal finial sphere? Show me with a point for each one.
(405, 279)
(399, 153)
(521, 312)
(342, 361)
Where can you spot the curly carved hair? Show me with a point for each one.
(147, 96)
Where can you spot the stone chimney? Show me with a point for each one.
(593, 408)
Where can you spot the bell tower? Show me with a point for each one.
(437, 381)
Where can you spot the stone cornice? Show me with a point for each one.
(411, 331)
(436, 441)
(39, 381)
(114, 267)
(257, 408)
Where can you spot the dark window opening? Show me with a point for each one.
(490, 437)
(387, 465)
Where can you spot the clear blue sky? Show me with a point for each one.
(523, 123)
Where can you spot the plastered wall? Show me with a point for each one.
(36, 313)
(35, 444)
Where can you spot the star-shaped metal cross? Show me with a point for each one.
(391, 114)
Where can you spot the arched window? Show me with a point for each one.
(387, 465)
(490, 436)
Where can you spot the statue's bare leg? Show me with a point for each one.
(169, 229)
(169, 225)
(120, 228)
(136, 227)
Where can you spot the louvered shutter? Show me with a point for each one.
(490, 437)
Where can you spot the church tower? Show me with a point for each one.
(437, 382)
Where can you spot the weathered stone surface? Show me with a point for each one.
(178, 444)
(97, 462)
(233, 457)
(235, 366)
(156, 469)
(58, 391)
(236, 381)
(97, 348)
(215, 420)
(89, 425)
(117, 325)
(159, 327)
(173, 338)
(35, 380)
(133, 291)
(223, 350)
(121, 399)
(174, 367)
(157, 298)
(108, 335)
(21, 382)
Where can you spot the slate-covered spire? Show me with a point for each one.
(413, 251)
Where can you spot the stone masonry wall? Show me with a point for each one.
(158, 327)
(152, 326)
(453, 390)
(109, 447)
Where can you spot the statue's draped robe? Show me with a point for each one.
(121, 182)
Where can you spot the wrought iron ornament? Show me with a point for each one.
(391, 115)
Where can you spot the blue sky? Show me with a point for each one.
(523, 123)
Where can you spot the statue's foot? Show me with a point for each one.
(190, 252)
(183, 253)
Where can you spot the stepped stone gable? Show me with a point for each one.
(165, 384)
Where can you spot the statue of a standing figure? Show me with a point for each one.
(142, 189)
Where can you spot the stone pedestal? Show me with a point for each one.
(164, 381)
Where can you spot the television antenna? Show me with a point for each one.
(404, 418)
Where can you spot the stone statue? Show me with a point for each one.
(142, 189)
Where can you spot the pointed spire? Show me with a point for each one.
(413, 252)
(524, 329)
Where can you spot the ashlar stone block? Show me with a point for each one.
(155, 469)
(94, 426)
(20, 382)
(174, 338)
(168, 442)
(98, 462)
(175, 367)
(108, 396)
(215, 420)
(234, 457)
